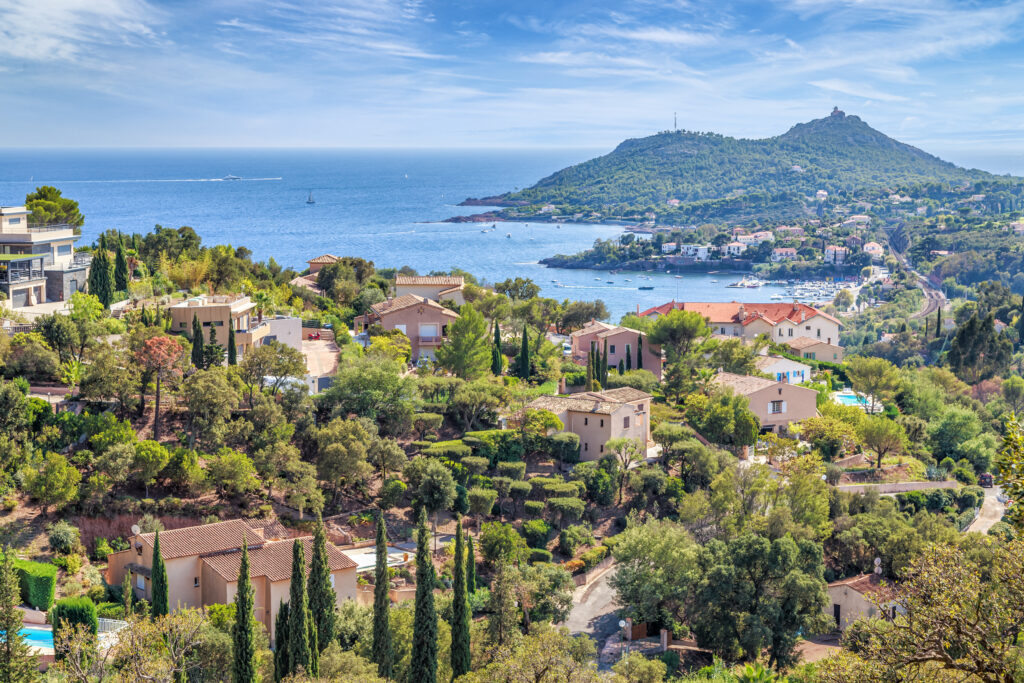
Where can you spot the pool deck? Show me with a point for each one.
(366, 558)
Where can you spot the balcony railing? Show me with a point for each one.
(14, 277)
(53, 227)
(431, 340)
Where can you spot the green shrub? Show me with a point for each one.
(540, 555)
(453, 450)
(38, 582)
(97, 593)
(947, 464)
(72, 564)
(512, 470)
(72, 611)
(565, 446)
(534, 508)
(593, 556)
(499, 445)
(567, 508)
(970, 497)
(572, 538)
(536, 532)
(427, 422)
(539, 485)
(964, 475)
(481, 501)
(10, 503)
(420, 445)
(611, 542)
(110, 610)
(391, 493)
(64, 539)
(475, 464)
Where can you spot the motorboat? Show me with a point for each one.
(231, 177)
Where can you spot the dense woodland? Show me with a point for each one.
(727, 538)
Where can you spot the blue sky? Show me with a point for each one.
(945, 75)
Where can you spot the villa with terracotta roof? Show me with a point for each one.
(622, 341)
(599, 416)
(850, 599)
(423, 321)
(318, 262)
(783, 322)
(776, 404)
(815, 349)
(203, 562)
(436, 287)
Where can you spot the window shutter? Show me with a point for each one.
(783, 406)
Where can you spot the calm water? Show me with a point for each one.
(383, 205)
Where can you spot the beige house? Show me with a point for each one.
(315, 264)
(435, 287)
(203, 564)
(621, 340)
(221, 312)
(780, 321)
(776, 404)
(599, 416)
(38, 262)
(815, 349)
(422, 320)
(850, 600)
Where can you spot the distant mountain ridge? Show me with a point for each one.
(706, 175)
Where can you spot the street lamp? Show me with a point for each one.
(622, 625)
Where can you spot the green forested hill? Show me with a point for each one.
(713, 174)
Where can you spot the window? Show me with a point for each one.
(611, 349)
(819, 334)
(602, 422)
(332, 580)
(625, 422)
(64, 250)
(195, 582)
(791, 332)
(780, 332)
(775, 408)
(140, 583)
(807, 327)
(400, 328)
(181, 324)
(586, 421)
(15, 221)
(586, 446)
(602, 448)
(809, 355)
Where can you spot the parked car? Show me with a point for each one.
(985, 479)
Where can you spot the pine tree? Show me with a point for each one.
(17, 663)
(243, 633)
(197, 342)
(213, 354)
(383, 653)
(496, 359)
(101, 282)
(470, 566)
(460, 610)
(232, 348)
(523, 362)
(639, 352)
(281, 668)
(504, 615)
(423, 667)
(629, 359)
(322, 598)
(299, 654)
(159, 607)
(121, 276)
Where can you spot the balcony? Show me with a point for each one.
(53, 227)
(431, 341)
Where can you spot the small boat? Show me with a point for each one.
(714, 281)
(231, 177)
(310, 200)
(679, 277)
(485, 231)
(598, 279)
(628, 280)
(611, 282)
(647, 287)
(508, 235)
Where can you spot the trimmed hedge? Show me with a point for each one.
(499, 445)
(539, 555)
(536, 532)
(453, 450)
(512, 470)
(38, 581)
(592, 557)
(565, 446)
(75, 611)
(534, 508)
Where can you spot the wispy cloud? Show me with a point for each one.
(857, 90)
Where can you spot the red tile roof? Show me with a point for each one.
(407, 301)
(865, 584)
(730, 312)
(274, 560)
(326, 258)
(205, 538)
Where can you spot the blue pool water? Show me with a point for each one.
(848, 398)
(38, 637)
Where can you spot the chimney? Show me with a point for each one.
(742, 313)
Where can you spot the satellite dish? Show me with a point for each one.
(878, 562)
(135, 529)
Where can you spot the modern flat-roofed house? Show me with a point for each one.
(776, 404)
(38, 263)
(435, 287)
(423, 321)
(815, 349)
(783, 369)
(221, 312)
(781, 321)
(621, 340)
(203, 563)
(599, 416)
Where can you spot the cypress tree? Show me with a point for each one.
(197, 342)
(383, 654)
(604, 366)
(126, 594)
(524, 356)
(321, 595)
(121, 277)
(101, 284)
(460, 610)
(496, 360)
(622, 367)
(299, 654)
(232, 348)
(470, 566)
(938, 322)
(590, 372)
(629, 358)
(423, 667)
(159, 606)
(17, 663)
(639, 352)
(243, 633)
(281, 668)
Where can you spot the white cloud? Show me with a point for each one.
(857, 90)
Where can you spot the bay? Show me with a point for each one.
(382, 205)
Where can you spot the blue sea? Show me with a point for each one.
(382, 205)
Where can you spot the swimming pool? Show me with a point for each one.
(849, 398)
(38, 637)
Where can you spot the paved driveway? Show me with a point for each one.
(991, 511)
(594, 609)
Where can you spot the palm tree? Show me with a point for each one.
(263, 302)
